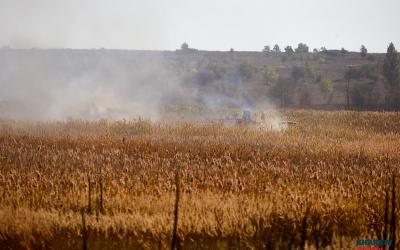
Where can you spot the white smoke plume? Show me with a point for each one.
(116, 84)
(55, 84)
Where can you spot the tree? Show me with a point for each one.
(231, 50)
(302, 48)
(270, 75)
(184, 46)
(280, 90)
(276, 49)
(310, 73)
(363, 51)
(343, 51)
(289, 50)
(315, 51)
(326, 87)
(305, 73)
(349, 74)
(391, 73)
(297, 73)
(267, 49)
(305, 96)
(391, 66)
(362, 94)
(359, 97)
(323, 49)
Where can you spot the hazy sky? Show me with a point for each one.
(206, 24)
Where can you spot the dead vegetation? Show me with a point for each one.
(112, 185)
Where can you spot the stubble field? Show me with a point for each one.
(322, 183)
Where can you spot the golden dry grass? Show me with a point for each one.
(241, 187)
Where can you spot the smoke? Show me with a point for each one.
(55, 84)
(86, 84)
(90, 84)
(115, 84)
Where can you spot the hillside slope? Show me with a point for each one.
(61, 83)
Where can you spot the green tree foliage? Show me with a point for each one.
(280, 91)
(266, 49)
(310, 73)
(298, 73)
(343, 51)
(302, 77)
(392, 77)
(391, 66)
(359, 96)
(289, 50)
(270, 75)
(276, 49)
(305, 73)
(363, 51)
(326, 86)
(302, 48)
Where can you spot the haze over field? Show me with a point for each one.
(95, 84)
(90, 84)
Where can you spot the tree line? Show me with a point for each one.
(361, 81)
(303, 48)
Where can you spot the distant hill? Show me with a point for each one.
(36, 78)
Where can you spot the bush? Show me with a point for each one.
(267, 49)
(245, 71)
(358, 97)
(270, 75)
(326, 87)
(184, 46)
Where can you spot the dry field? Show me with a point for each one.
(111, 185)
